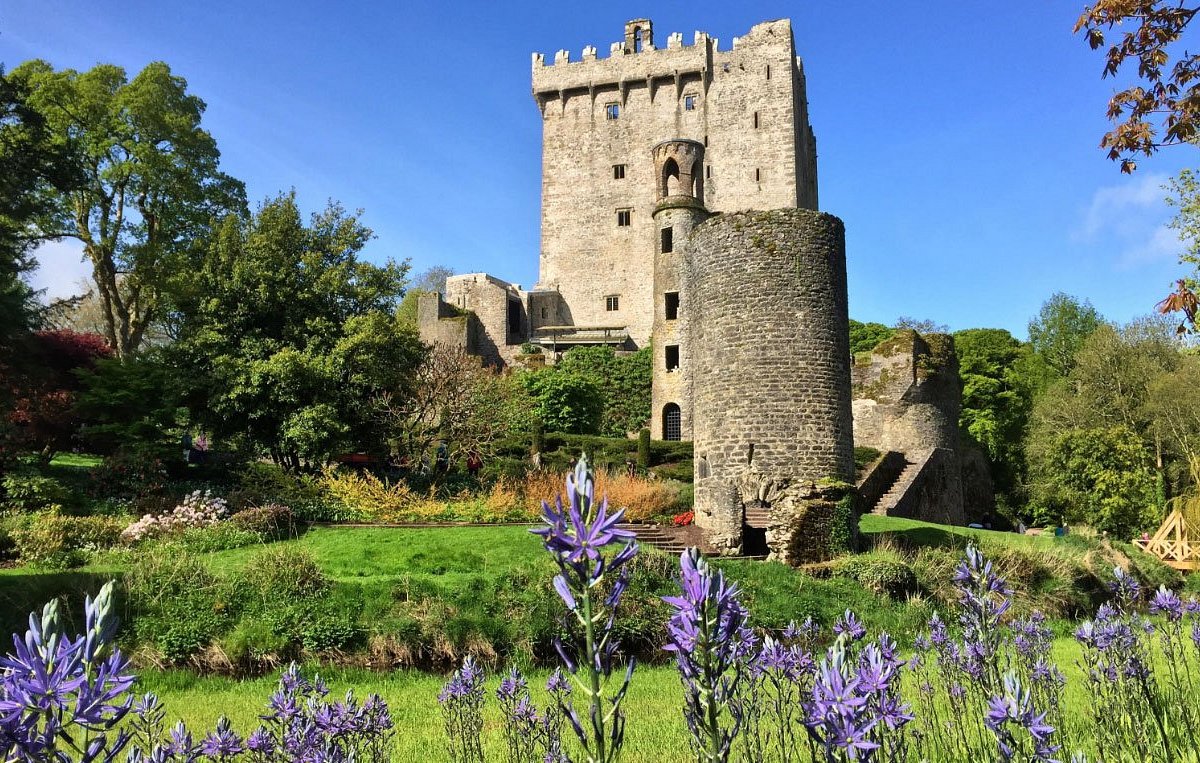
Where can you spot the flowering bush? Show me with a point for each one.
(198, 509)
(684, 519)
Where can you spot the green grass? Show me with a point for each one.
(929, 534)
(76, 460)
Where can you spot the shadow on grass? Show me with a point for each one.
(28, 591)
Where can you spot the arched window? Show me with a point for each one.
(670, 172)
(672, 422)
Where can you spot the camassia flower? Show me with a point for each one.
(591, 582)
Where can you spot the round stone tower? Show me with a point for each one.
(769, 359)
(679, 182)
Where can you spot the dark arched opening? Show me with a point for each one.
(670, 172)
(672, 421)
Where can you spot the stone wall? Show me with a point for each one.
(749, 111)
(490, 300)
(767, 334)
(441, 323)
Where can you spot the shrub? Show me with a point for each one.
(284, 574)
(260, 483)
(30, 492)
(219, 537)
(270, 522)
(61, 542)
(367, 495)
(882, 575)
(252, 642)
(198, 509)
(180, 605)
(128, 475)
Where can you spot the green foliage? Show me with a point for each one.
(128, 475)
(221, 536)
(882, 574)
(843, 531)
(1059, 330)
(1100, 477)
(865, 337)
(179, 604)
(131, 404)
(864, 456)
(260, 483)
(281, 573)
(287, 337)
(565, 401)
(997, 398)
(643, 451)
(270, 522)
(151, 187)
(32, 492)
(623, 382)
(62, 542)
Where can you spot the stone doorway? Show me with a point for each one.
(756, 517)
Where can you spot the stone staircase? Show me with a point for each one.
(666, 539)
(887, 502)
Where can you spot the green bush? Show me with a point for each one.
(253, 641)
(176, 602)
(683, 471)
(270, 522)
(260, 483)
(31, 492)
(219, 537)
(284, 574)
(129, 476)
(883, 575)
(62, 542)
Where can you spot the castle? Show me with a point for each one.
(679, 209)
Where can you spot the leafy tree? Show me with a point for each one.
(997, 398)
(921, 326)
(132, 404)
(1101, 477)
(1059, 330)
(1163, 108)
(867, 336)
(151, 182)
(457, 399)
(433, 279)
(286, 337)
(565, 401)
(623, 381)
(1173, 404)
(44, 394)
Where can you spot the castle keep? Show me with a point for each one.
(679, 209)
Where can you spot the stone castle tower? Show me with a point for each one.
(679, 197)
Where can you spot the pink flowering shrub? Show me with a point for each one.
(198, 509)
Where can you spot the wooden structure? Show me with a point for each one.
(1173, 544)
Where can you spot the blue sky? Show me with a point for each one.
(960, 147)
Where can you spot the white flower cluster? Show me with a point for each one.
(198, 509)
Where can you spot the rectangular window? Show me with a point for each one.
(618, 172)
(612, 303)
(768, 71)
(545, 313)
(672, 357)
(689, 103)
(612, 111)
(623, 217)
(757, 176)
(668, 240)
(756, 120)
(708, 171)
(672, 300)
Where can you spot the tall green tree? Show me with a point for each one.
(286, 336)
(150, 188)
(1059, 330)
(867, 336)
(997, 398)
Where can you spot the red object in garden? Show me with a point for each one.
(684, 519)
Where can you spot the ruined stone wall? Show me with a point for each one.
(488, 298)
(749, 110)
(768, 337)
(440, 323)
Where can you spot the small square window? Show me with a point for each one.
(672, 305)
(689, 103)
(618, 172)
(623, 217)
(612, 111)
(612, 303)
(668, 240)
(672, 357)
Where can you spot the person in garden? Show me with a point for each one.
(474, 463)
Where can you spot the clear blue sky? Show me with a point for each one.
(960, 147)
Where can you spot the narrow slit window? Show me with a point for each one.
(612, 303)
(689, 102)
(618, 172)
(624, 216)
(756, 120)
(668, 240)
(612, 111)
(672, 357)
(672, 304)
(768, 71)
(708, 171)
(545, 313)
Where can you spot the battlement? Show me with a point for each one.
(636, 57)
